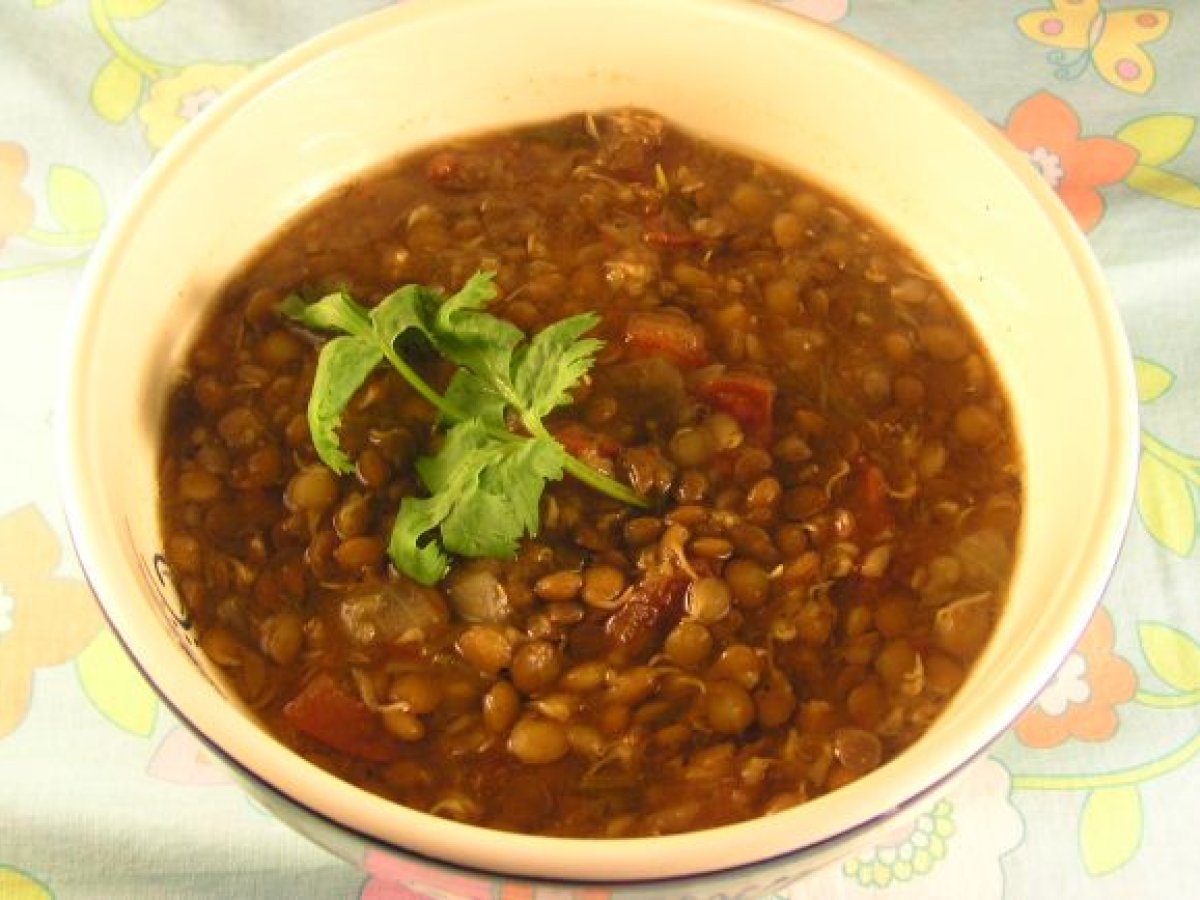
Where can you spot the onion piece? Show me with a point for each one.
(390, 611)
(477, 596)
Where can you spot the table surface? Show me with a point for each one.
(104, 795)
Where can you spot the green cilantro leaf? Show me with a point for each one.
(495, 486)
(521, 474)
(410, 307)
(347, 361)
(472, 397)
(344, 364)
(469, 337)
(485, 482)
(463, 448)
(411, 549)
(554, 362)
(333, 312)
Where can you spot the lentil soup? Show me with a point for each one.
(830, 480)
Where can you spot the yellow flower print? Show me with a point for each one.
(175, 100)
(44, 619)
(166, 96)
(18, 885)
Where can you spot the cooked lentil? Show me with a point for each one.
(829, 460)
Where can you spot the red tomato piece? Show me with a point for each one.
(660, 334)
(639, 624)
(327, 713)
(873, 504)
(747, 397)
(442, 168)
(583, 443)
(454, 171)
(661, 237)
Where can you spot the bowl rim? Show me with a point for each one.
(150, 648)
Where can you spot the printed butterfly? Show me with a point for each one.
(1111, 40)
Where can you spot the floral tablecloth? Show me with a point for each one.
(1091, 794)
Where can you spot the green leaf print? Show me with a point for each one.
(1153, 380)
(1164, 185)
(1166, 504)
(116, 90)
(115, 687)
(131, 9)
(1168, 479)
(1110, 829)
(75, 200)
(1172, 655)
(1158, 139)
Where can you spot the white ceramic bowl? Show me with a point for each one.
(738, 72)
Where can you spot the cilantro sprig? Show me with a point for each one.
(486, 481)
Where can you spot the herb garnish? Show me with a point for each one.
(485, 483)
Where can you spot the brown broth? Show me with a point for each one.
(833, 479)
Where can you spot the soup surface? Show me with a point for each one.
(830, 490)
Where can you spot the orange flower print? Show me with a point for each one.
(1081, 701)
(16, 206)
(1047, 129)
(45, 620)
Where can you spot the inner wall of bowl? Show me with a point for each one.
(425, 71)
